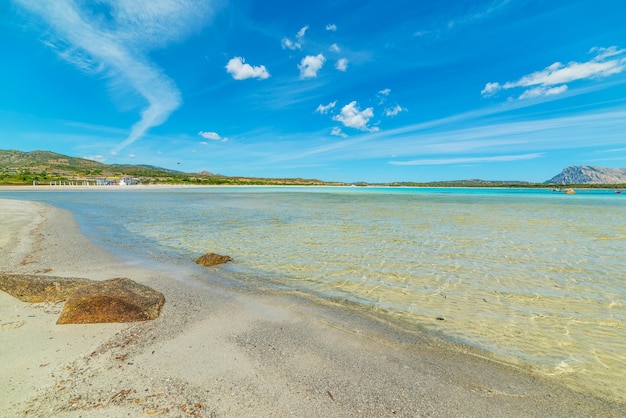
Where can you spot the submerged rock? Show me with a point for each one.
(115, 300)
(212, 259)
(36, 289)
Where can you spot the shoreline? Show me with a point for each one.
(50, 187)
(231, 353)
(153, 187)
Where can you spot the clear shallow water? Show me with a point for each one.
(532, 276)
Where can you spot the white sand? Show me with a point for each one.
(220, 352)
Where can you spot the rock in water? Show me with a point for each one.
(212, 259)
(115, 300)
(36, 289)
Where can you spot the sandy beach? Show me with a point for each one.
(216, 351)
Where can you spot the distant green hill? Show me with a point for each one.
(44, 159)
(465, 183)
(18, 167)
(44, 167)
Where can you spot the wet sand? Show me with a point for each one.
(216, 351)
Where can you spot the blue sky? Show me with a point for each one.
(401, 90)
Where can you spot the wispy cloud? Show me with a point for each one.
(469, 160)
(287, 43)
(331, 27)
(382, 96)
(302, 32)
(310, 65)
(394, 111)
(543, 91)
(478, 14)
(323, 109)
(336, 131)
(114, 39)
(554, 79)
(469, 134)
(240, 70)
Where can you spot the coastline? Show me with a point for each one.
(221, 352)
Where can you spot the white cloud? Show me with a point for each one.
(338, 132)
(331, 27)
(554, 78)
(543, 91)
(117, 46)
(310, 65)
(603, 53)
(393, 111)
(287, 43)
(490, 89)
(132, 155)
(469, 160)
(302, 32)
(342, 64)
(213, 136)
(352, 117)
(382, 96)
(558, 73)
(209, 135)
(238, 68)
(334, 48)
(325, 109)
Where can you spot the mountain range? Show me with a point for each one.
(19, 167)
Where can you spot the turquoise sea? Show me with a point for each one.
(533, 277)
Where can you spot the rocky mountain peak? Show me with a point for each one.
(586, 174)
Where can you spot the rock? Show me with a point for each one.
(585, 174)
(212, 259)
(115, 300)
(36, 289)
